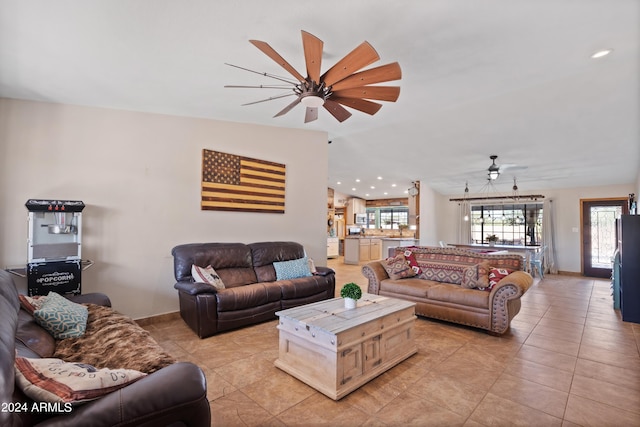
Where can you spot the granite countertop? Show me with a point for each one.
(380, 237)
(398, 238)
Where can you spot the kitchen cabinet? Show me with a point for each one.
(354, 206)
(357, 250)
(375, 250)
(332, 247)
(363, 255)
(351, 250)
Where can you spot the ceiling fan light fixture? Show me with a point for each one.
(311, 100)
(494, 170)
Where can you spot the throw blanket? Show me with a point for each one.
(113, 340)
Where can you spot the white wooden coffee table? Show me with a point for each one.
(336, 350)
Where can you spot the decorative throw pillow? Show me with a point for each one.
(31, 304)
(206, 275)
(476, 276)
(312, 266)
(292, 269)
(62, 318)
(54, 380)
(411, 259)
(398, 267)
(495, 275)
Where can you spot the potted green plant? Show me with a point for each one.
(351, 293)
(492, 239)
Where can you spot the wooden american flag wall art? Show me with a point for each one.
(237, 183)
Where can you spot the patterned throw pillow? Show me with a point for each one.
(31, 304)
(54, 380)
(206, 275)
(398, 267)
(476, 276)
(61, 317)
(495, 275)
(292, 269)
(411, 259)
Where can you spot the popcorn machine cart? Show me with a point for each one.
(54, 246)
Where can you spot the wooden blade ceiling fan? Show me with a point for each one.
(342, 85)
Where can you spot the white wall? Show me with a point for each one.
(139, 175)
(567, 210)
(430, 217)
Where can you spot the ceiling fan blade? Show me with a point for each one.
(271, 98)
(312, 55)
(271, 53)
(359, 57)
(382, 93)
(281, 87)
(288, 108)
(383, 73)
(338, 111)
(359, 104)
(311, 114)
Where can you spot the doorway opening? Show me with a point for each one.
(599, 234)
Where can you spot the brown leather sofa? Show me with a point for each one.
(174, 395)
(252, 294)
(438, 293)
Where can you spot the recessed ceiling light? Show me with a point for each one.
(379, 177)
(339, 183)
(353, 189)
(373, 188)
(601, 53)
(385, 193)
(357, 179)
(367, 194)
(393, 185)
(406, 191)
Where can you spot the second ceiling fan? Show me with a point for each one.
(341, 85)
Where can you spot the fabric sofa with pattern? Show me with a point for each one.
(454, 285)
(255, 283)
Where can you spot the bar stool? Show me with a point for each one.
(536, 262)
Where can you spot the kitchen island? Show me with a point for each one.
(359, 249)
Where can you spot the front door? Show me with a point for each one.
(599, 234)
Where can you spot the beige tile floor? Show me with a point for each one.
(568, 360)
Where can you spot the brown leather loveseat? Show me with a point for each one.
(447, 285)
(252, 292)
(173, 395)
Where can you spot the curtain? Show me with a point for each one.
(549, 237)
(464, 227)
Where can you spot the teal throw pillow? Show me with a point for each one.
(292, 269)
(62, 318)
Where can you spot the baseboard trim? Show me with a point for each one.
(571, 273)
(158, 318)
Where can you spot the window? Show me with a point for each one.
(387, 218)
(514, 224)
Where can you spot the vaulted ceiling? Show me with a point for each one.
(504, 77)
